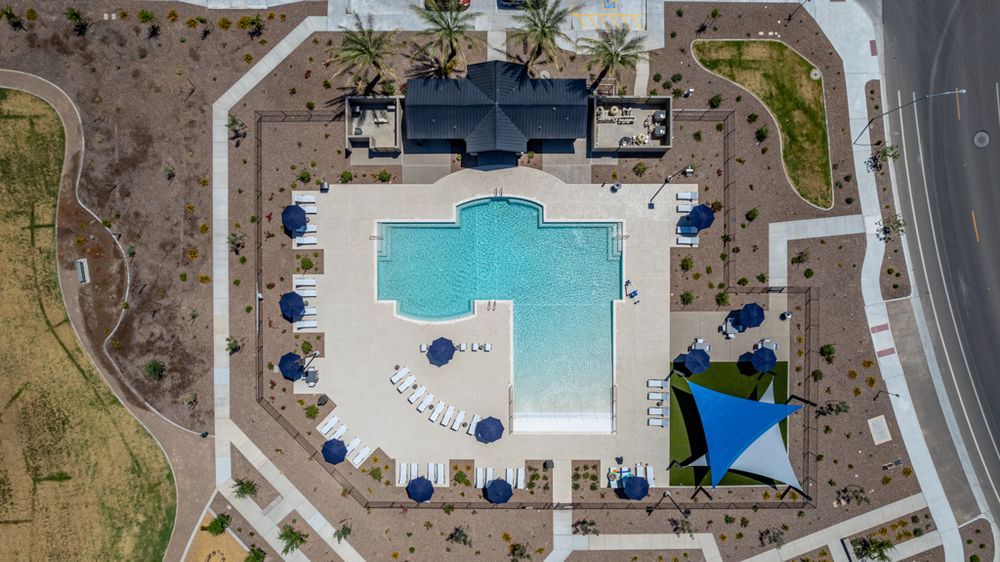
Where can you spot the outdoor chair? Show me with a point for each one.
(417, 394)
(658, 396)
(340, 432)
(361, 457)
(406, 383)
(447, 416)
(649, 476)
(402, 469)
(423, 348)
(487, 347)
(413, 471)
(509, 475)
(442, 475)
(306, 292)
(474, 346)
(458, 420)
(309, 209)
(687, 240)
(328, 424)
(462, 347)
(431, 471)
(656, 422)
(472, 425)
(309, 311)
(489, 475)
(480, 478)
(399, 375)
(520, 478)
(353, 444)
(437, 412)
(304, 325)
(304, 282)
(425, 403)
(684, 208)
(303, 198)
(657, 383)
(658, 412)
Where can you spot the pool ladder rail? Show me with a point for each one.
(497, 192)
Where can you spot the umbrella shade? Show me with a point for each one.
(763, 360)
(420, 489)
(701, 217)
(290, 366)
(293, 218)
(293, 307)
(696, 361)
(441, 351)
(489, 430)
(751, 315)
(499, 491)
(636, 488)
(334, 451)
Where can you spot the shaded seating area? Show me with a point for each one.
(440, 352)
(499, 491)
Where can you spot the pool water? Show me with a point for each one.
(561, 277)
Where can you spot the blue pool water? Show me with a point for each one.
(561, 277)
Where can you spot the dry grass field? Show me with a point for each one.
(80, 479)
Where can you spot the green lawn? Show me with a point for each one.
(780, 78)
(725, 378)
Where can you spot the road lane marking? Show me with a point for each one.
(997, 84)
(958, 105)
(951, 310)
(975, 228)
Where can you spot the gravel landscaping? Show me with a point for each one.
(977, 537)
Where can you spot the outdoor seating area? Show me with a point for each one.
(631, 124)
(335, 450)
(373, 123)
(619, 476)
(445, 414)
(437, 473)
(514, 476)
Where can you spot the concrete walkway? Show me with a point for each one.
(779, 233)
(830, 537)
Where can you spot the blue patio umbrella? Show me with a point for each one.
(293, 218)
(293, 307)
(334, 451)
(420, 489)
(763, 360)
(701, 217)
(636, 488)
(489, 430)
(441, 351)
(290, 366)
(499, 491)
(696, 361)
(751, 315)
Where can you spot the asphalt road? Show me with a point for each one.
(950, 199)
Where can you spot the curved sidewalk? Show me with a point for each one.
(187, 455)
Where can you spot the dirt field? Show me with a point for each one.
(76, 465)
(223, 548)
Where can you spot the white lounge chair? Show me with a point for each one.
(423, 348)
(656, 422)
(431, 472)
(487, 347)
(442, 475)
(684, 208)
(640, 470)
(438, 410)
(489, 475)
(402, 470)
(310, 229)
(306, 293)
(472, 425)
(664, 412)
(474, 346)
(406, 383)
(309, 209)
(304, 325)
(687, 196)
(304, 282)
(657, 383)
(353, 444)
(340, 432)
(480, 478)
(305, 241)
(413, 471)
(463, 347)
(425, 403)
(687, 230)
(417, 394)
(329, 423)
(650, 477)
(520, 478)
(303, 198)
(361, 457)
(395, 378)
(310, 311)
(658, 396)
(458, 420)
(447, 416)
(509, 475)
(687, 240)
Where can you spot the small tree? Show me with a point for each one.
(218, 525)
(460, 535)
(256, 554)
(80, 25)
(894, 223)
(244, 488)
(585, 527)
(342, 533)
(687, 298)
(773, 536)
(519, 551)
(291, 538)
(715, 101)
(154, 369)
(681, 526)
(236, 242)
(233, 345)
(752, 214)
(687, 263)
(639, 169)
(761, 134)
(872, 548)
(146, 16)
(800, 258)
(722, 299)
(828, 352)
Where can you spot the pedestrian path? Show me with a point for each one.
(779, 233)
(832, 535)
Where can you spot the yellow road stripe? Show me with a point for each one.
(975, 228)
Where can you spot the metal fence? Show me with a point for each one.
(810, 432)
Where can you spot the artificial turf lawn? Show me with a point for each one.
(779, 77)
(728, 379)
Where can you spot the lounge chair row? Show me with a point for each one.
(437, 473)
(513, 476)
(330, 430)
(660, 415)
(641, 470)
(424, 399)
(463, 347)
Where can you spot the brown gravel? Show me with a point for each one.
(977, 537)
(637, 555)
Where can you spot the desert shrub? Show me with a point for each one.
(154, 369)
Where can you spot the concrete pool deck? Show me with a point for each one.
(365, 340)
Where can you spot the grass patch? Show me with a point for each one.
(725, 378)
(780, 78)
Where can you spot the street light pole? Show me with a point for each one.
(872, 120)
(884, 392)
(791, 15)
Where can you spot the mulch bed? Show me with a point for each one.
(977, 537)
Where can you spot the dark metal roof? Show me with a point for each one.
(497, 106)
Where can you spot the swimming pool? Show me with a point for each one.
(562, 278)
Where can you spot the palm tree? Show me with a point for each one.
(245, 488)
(539, 26)
(362, 48)
(448, 27)
(614, 50)
(291, 538)
(428, 63)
